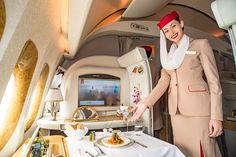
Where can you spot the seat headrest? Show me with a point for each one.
(224, 12)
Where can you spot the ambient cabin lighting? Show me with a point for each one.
(64, 25)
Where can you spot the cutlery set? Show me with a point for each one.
(90, 154)
(97, 146)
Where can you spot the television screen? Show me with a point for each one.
(98, 90)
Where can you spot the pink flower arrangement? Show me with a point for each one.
(136, 95)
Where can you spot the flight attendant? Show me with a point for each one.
(194, 93)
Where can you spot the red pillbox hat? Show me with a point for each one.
(167, 18)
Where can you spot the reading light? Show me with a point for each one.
(54, 96)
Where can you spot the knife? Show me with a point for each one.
(96, 145)
(90, 154)
(140, 144)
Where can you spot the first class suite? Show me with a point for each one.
(73, 68)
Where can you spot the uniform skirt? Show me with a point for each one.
(191, 136)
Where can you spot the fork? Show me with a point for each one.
(90, 154)
(96, 145)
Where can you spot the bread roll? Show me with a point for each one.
(70, 127)
(80, 126)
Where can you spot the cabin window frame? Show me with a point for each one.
(2, 17)
(36, 97)
(23, 73)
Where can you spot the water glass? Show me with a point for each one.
(138, 127)
(125, 111)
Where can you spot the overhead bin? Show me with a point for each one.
(140, 8)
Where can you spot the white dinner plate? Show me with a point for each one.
(104, 142)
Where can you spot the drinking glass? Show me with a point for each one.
(138, 126)
(125, 110)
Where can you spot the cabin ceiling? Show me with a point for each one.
(195, 13)
(98, 13)
(193, 18)
(200, 5)
(84, 16)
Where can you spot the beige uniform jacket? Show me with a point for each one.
(188, 90)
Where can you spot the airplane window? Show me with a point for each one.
(16, 92)
(37, 97)
(2, 17)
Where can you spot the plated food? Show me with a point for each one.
(115, 139)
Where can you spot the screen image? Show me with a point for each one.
(99, 90)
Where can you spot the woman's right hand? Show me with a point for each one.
(138, 111)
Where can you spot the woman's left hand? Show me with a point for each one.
(215, 128)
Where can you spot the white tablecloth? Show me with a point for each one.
(156, 147)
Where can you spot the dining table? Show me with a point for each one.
(135, 145)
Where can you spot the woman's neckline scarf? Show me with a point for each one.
(173, 59)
